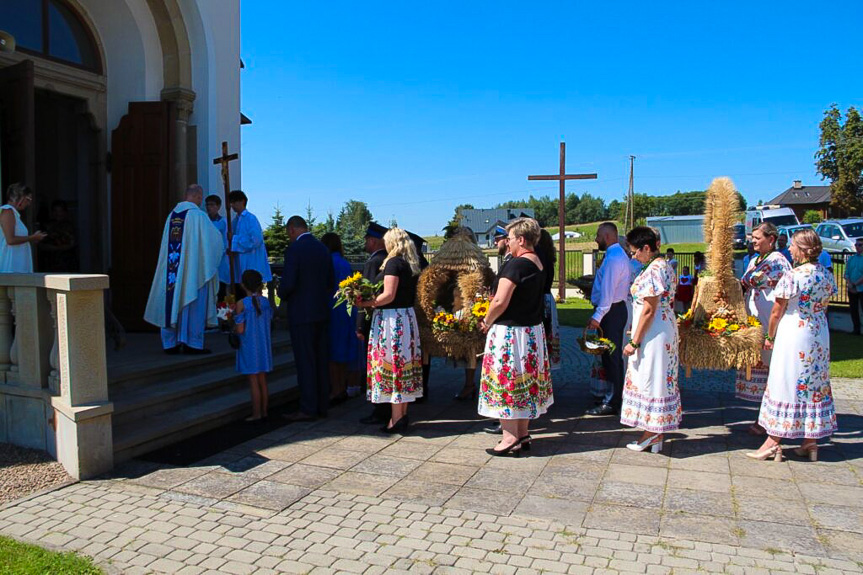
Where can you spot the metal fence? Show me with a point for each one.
(687, 259)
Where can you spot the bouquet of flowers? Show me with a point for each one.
(354, 289)
(595, 343)
(443, 321)
(225, 311)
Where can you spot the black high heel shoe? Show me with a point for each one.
(462, 396)
(399, 426)
(513, 450)
(525, 442)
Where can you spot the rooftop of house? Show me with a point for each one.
(480, 221)
(800, 194)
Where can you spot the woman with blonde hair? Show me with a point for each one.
(15, 253)
(394, 357)
(759, 282)
(798, 402)
(515, 385)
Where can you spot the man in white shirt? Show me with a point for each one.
(610, 292)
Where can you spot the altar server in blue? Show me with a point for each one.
(247, 240)
(214, 204)
(183, 296)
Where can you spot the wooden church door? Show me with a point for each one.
(142, 193)
(17, 128)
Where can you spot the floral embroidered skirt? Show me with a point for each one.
(798, 402)
(553, 334)
(752, 389)
(395, 370)
(516, 380)
(651, 398)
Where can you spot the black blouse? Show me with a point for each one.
(407, 289)
(526, 305)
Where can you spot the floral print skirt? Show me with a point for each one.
(516, 380)
(395, 371)
(553, 334)
(752, 389)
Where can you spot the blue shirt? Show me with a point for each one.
(248, 243)
(224, 271)
(854, 271)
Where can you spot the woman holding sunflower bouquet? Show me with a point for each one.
(651, 398)
(759, 281)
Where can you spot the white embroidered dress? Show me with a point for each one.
(651, 398)
(799, 401)
(760, 280)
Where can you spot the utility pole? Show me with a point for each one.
(629, 217)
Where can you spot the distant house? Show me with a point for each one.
(483, 222)
(802, 198)
(678, 229)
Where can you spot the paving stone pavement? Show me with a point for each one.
(335, 496)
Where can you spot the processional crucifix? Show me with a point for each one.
(224, 159)
(561, 212)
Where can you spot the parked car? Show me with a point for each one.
(774, 214)
(739, 241)
(789, 231)
(839, 236)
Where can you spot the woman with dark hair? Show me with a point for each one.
(798, 401)
(15, 254)
(759, 281)
(344, 347)
(548, 257)
(651, 399)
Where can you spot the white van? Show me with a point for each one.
(776, 215)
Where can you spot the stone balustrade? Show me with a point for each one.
(53, 373)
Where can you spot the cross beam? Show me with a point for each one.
(561, 213)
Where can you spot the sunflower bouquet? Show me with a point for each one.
(354, 289)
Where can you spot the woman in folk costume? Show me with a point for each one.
(759, 282)
(651, 398)
(515, 386)
(394, 355)
(548, 257)
(798, 402)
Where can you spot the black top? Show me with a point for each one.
(526, 305)
(547, 267)
(407, 289)
(370, 272)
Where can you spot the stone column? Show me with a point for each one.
(6, 323)
(185, 104)
(82, 411)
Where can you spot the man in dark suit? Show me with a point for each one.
(377, 253)
(307, 287)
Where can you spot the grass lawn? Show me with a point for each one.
(846, 351)
(23, 559)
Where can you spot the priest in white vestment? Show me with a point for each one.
(183, 296)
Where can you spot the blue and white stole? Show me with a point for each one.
(175, 244)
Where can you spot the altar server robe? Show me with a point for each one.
(248, 242)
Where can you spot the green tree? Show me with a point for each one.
(590, 209)
(325, 227)
(812, 217)
(840, 159)
(455, 221)
(276, 235)
(351, 224)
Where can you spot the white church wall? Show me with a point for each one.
(132, 51)
(214, 34)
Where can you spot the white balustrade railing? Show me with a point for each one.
(53, 373)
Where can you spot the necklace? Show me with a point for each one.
(647, 265)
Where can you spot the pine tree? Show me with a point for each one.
(276, 235)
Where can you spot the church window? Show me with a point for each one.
(49, 28)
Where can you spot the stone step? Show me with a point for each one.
(154, 367)
(160, 429)
(170, 392)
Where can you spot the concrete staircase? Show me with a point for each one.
(161, 399)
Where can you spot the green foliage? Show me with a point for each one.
(590, 209)
(26, 559)
(351, 225)
(455, 222)
(276, 235)
(812, 217)
(325, 227)
(840, 159)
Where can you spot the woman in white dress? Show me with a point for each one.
(15, 254)
(798, 402)
(651, 399)
(759, 281)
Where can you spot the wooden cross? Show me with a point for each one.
(226, 181)
(561, 213)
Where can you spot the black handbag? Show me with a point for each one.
(234, 340)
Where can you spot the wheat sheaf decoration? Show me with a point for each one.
(718, 297)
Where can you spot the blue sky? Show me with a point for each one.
(415, 108)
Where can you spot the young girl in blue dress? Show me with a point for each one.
(255, 355)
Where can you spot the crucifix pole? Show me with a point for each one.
(561, 215)
(224, 159)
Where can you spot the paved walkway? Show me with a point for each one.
(335, 496)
